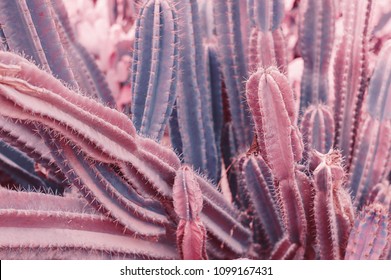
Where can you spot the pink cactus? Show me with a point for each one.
(124, 127)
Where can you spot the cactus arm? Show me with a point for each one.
(194, 106)
(188, 102)
(70, 231)
(259, 187)
(270, 97)
(350, 75)
(333, 209)
(271, 101)
(316, 40)
(105, 197)
(233, 67)
(191, 233)
(154, 71)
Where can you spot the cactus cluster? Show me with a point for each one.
(251, 129)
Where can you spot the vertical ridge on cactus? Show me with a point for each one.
(369, 235)
(351, 72)
(333, 208)
(154, 73)
(194, 107)
(249, 166)
(317, 127)
(233, 67)
(317, 24)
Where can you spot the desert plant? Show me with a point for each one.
(216, 156)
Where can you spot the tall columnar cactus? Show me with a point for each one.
(243, 173)
(351, 73)
(194, 105)
(154, 71)
(317, 25)
(271, 103)
(234, 67)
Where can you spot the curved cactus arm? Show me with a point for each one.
(317, 127)
(91, 126)
(370, 158)
(123, 207)
(17, 67)
(370, 234)
(317, 24)
(379, 90)
(227, 19)
(155, 62)
(351, 74)
(333, 209)
(266, 14)
(70, 232)
(259, 187)
(30, 29)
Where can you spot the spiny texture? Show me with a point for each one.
(191, 233)
(175, 130)
(154, 72)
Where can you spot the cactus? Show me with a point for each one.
(191, 233)
(194, 106)
(317, 25)
(154, 73)
(215, 159)
(351, 72)
(317, 126)
(370, 234)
